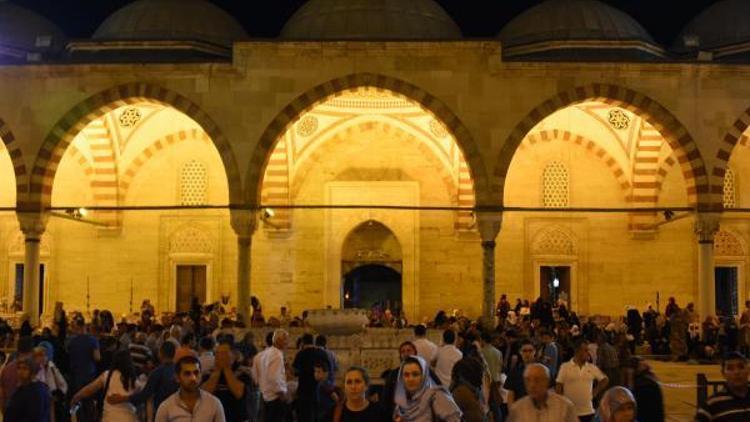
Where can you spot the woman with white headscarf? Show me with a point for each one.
(617, 405)
(419, 399)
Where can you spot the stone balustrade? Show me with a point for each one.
(376, 349)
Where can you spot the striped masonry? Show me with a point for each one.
(275, 189)
(646, 168)
(104, 165)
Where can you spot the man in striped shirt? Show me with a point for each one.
(140, 353)
(732, 404)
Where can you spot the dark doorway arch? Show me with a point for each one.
(370, 285)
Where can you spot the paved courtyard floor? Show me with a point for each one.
(678, 386)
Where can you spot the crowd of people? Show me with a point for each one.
(538, 362)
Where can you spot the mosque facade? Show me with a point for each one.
(372, 155)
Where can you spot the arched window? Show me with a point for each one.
(193, 183)
(555, 185)
(730, 189)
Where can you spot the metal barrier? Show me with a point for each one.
(704, 385)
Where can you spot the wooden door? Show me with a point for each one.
(191, 282)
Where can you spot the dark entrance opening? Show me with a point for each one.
(371, 285)
(726, 291)
(554, 283)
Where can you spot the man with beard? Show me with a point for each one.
(190, 402)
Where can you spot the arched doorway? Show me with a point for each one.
(371, 264)
(372, 285)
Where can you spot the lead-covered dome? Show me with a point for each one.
(26, 36)
(371, 20)
(171, 20)
(587, 28)
(719, 28)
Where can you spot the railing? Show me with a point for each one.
(704, 385)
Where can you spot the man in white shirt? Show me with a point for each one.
(541, 404)
(206, 354)
(446, 357)
(576, 379)
(271, 377)
(425, 348)
(255, 371)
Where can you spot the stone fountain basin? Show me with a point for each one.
(337, 322)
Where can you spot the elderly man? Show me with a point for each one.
(733, 402)
(272, 378)
(541, 404)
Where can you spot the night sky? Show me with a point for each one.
(477, 18)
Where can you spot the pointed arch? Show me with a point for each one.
(679, 139)
(589, 145)
(16, 158)
(318, 94)
(154, 149)
(734, 137)
(65, 130)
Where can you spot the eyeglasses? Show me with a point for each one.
(527, 350)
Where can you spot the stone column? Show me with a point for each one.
(706, 226)
(489, 226)
(32, 226)
(244, 224)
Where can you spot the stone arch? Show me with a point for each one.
(16, 157)
(733, 139)
(390, 254)
(662, 173)
(338, 139)
(682, 143)
(554, 240)
(65, 130)
(157, 147)
(728, 244)
(591, 146)
(77, 156)
(318, 94)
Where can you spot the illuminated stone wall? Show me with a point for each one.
(489, 108)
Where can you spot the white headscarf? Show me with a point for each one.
(428, 402)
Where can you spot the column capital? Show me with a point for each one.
(488, 224)
(33, 224)
(244, 222)
(706, 226)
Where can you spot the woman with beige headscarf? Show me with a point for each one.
(617, 405)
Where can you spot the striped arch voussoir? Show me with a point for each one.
(318, 94)
(674, 133)
(65, 130)
(16, 159)
(589, 145)
(734, 137)
(342, 136)
(154, 149)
